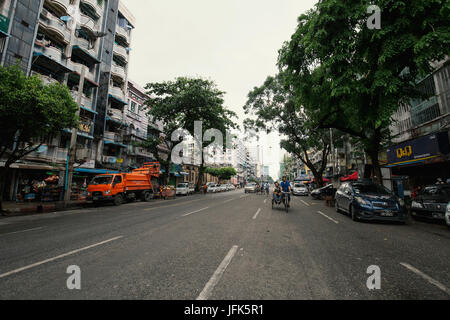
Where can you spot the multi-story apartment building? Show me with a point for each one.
(421, 133)
(85, 45)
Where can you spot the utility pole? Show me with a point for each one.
(73, 142)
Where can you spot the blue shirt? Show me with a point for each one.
(285, 186)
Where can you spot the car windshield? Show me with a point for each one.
(102, 180)
(436, 191)
(371, 188)
(299, 186)
(182, 185)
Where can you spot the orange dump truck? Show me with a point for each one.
(121, 187)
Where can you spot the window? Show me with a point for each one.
(133, 107)
(118, 179)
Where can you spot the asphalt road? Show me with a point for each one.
(220, 246)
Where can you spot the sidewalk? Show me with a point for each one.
(12, 208)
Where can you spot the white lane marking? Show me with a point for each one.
(305, 203)
(228, 200)
(209, 287)
(265, 201)
(426, 277)
(57, 257)
(337, 222)
(256, 214)
(188, 214)
(5, 234)
(243, 196)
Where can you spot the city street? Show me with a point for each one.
(220, 246)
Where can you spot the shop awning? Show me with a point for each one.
(184, 173)
(89, 110)
(114, 143)
(352, 177)
(95, 171)
(117, 99)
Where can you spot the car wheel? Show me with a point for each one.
(147, 196)
(352, 214)
(118, 200)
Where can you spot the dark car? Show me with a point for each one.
(320, 193)
(431, 202)
(370, 201)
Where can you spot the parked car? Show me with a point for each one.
(431, 202)
(212, 188)
(300, 189)
(320, 193)
(223, 188)
(370, 201)
(250, 187)
(191, 188)
(447, 215)
(183, 189)
(231, 187)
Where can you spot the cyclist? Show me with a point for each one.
(277, 193)
(286, 187)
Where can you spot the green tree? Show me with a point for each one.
(180, 103)
(222, 173)
(352, 78)
(273, 106)
(30, 112)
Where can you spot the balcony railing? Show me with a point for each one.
(118, 71)
(122, 32)
(57, 25)
(121, 51)
(51, 52)
(115, 114)
(95, 5)
(77, 67)
(113, 136)
(117, 92)
(85, 101)
(64, 4)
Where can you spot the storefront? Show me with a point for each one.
(419, 161)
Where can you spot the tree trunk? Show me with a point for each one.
(3, 174)
(373, 151)
(201, 174)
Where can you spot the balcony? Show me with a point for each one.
(86, 46)
(115, 114)
(121, 52)
(77, 67)
(113, 136)
(51, 52)
(85, 101)
(94, 6)
(117, 92)
(118, 71)
(122, 33)
(54, 25)
(89, 24)
(62, 4)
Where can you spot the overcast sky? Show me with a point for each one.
(233, 42)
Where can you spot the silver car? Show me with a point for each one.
(447, 215)
(250, 187)
(300, 190)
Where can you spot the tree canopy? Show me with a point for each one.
(30, 112)
(352, 78)
(180, 103)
